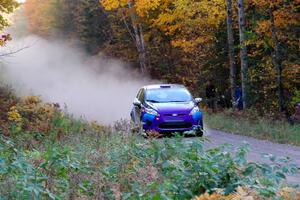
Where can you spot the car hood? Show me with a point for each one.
(173, 107)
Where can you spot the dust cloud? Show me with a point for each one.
(96, 88)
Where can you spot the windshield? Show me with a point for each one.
(168, 95)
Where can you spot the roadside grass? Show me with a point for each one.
(82, 160)
(114, 164)
(261, 128)
(47, 154)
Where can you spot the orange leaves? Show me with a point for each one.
(285, 15)
(190, 23)
(41, 16)
(285, 18)
(192, 43)
(263, 26)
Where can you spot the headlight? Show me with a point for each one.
(151, 111)
(194, 110)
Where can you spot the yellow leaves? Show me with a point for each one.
(288, 193)
(113, 4)
(243, 193)
(263, 26)
(32, 100)
(31, 114)
(14, 115)
(132, 164)
(248, 194)
(96, 126)
(240, 194)
(144, 6)
(192, 43)
(213, 196)
(6, 7)
(191, 23)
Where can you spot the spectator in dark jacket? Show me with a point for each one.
(295, 118)
(238, 98)
(210, 91)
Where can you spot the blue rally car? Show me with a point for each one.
(167, 108)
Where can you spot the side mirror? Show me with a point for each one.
(137, 103)
(197, 100)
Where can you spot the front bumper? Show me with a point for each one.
(170, 123)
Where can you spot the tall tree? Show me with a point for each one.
(277, 26)
(135, 29)
(243, 51)
(277, 60)
(230, 41)
(92, 24)
(138, 38)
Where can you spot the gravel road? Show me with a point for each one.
(258, 147)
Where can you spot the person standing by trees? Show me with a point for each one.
(238, 98)
(295, 118)
(210, 92)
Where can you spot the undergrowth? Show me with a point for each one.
(47, 154)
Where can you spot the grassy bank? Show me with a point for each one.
(114, 164)
(261, 128)
(47, 154)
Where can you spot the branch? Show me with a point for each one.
(127, 27)
(14, 52)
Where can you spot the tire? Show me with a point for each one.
(199, 133)
(142, 132)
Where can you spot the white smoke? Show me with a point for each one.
(96, 88)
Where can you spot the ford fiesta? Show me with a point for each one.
(167, 108)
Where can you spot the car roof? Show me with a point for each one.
(159, 86)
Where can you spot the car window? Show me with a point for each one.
(138, 94)
(141, 95)
(168, 95)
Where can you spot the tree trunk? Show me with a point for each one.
(231, 50)
(139, 40)
(243, 52)
(276, 58)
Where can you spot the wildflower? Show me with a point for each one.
(97, 127)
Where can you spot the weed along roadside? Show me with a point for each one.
(278, 131)
(60, 157)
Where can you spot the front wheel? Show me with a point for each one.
(199, 133)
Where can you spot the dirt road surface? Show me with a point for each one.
(258, 147)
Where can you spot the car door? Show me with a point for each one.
(137, 111)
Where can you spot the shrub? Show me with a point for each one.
(120, 166)
(181, 169)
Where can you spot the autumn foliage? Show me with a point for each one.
(186, 41)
